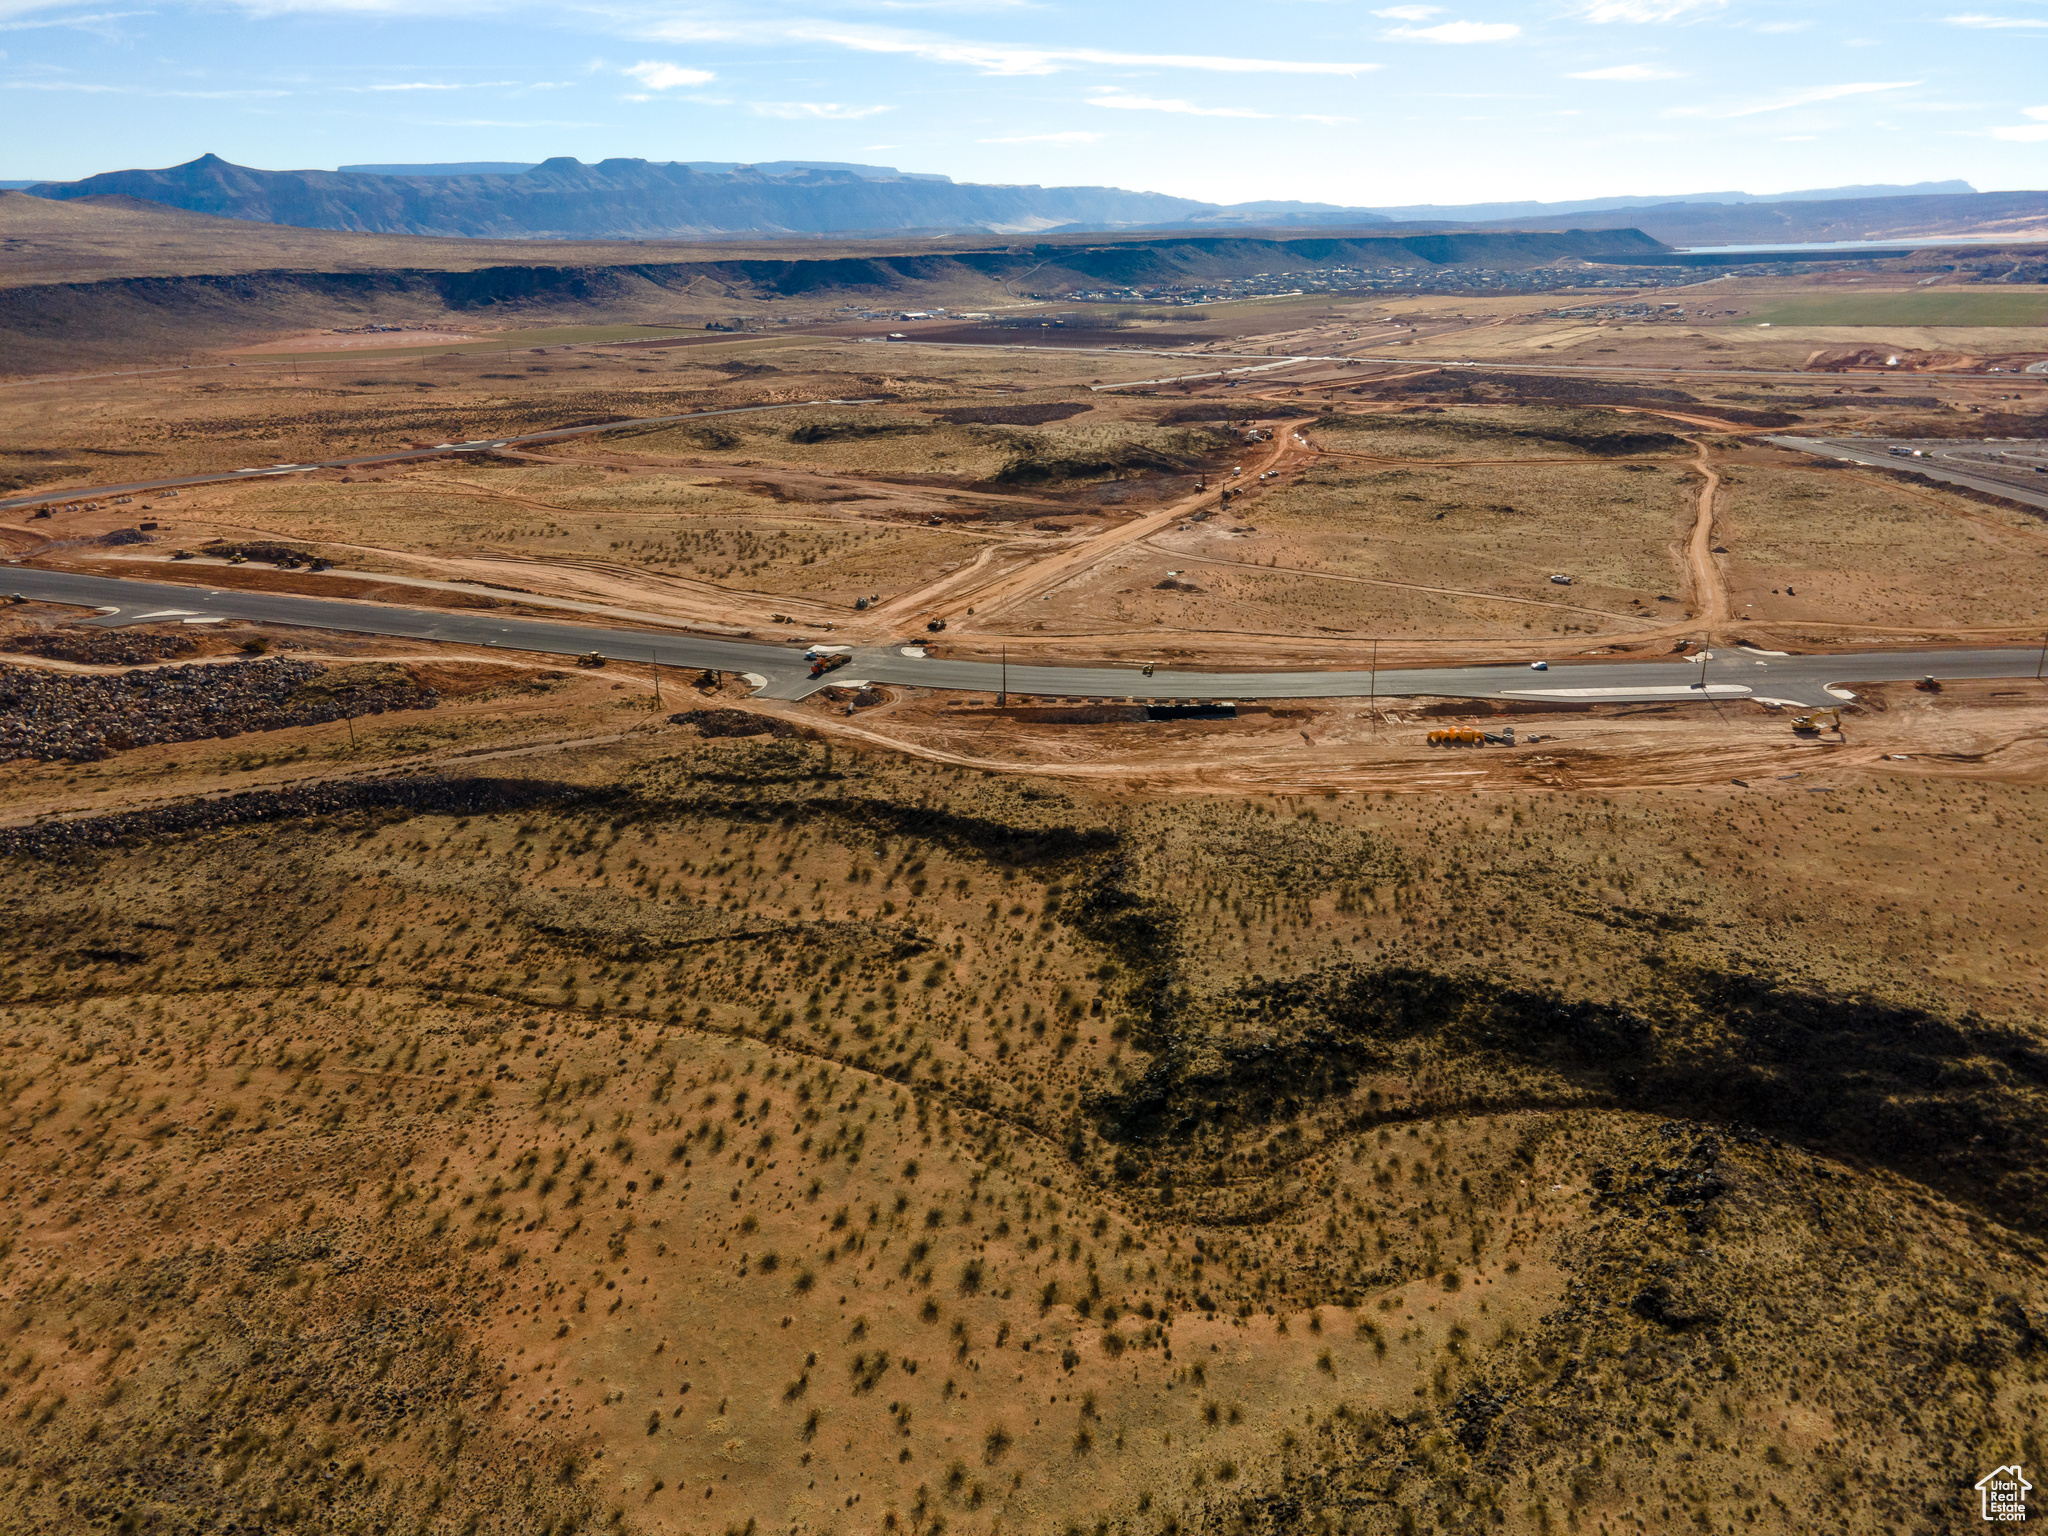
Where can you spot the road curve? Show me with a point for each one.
(1932, 469)
(1732, 674)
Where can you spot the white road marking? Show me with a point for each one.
(1685, 691)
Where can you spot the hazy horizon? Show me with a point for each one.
(1321, 102)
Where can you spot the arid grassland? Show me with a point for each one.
(452, 1090)
(751, 1134)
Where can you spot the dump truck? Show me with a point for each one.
(826, 664)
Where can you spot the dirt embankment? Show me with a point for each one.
(60, 326)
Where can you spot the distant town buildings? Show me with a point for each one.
(1407, 279)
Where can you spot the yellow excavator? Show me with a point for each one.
(1818, 720)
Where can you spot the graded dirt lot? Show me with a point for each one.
(457, 1091)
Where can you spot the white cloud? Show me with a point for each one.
(416, 85)
(2035, 132)
(2000, 23)
(100, 22)
(1641, 12)
(1410, 12)
(1046, 138)
(1628, 72)
(1806, 98)
(1459, 32)
(816, 111)
(657, 76)
(1158, 104)
(1777, 28)
(989, 58)
(103, 90)
(492, 122)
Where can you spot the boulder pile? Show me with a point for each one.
(101, 647)
(65, 717)
(428, 795)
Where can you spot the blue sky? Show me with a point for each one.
(1342, 101)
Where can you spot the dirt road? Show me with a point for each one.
(1037, 578)
(1709, 591)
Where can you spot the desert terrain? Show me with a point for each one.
(458, 1089)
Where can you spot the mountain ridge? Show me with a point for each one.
(642, 200)
(563, 198)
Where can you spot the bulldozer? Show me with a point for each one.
(1818, 720)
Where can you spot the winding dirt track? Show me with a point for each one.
(1009, 569)
(1709, 592)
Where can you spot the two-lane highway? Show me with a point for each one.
(1729, 675)
(121, 601)
(1876, 453)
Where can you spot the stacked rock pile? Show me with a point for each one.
(101, 647)
(64, 717)
(424, 796)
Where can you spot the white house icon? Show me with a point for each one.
(2004, 1492)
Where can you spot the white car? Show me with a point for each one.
(1539, 666)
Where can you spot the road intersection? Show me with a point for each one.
(783, 673)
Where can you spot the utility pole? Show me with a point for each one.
(657, 677)
(1003, 694)
(2044, 659)
(1373, 709)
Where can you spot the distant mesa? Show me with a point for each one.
(708, 167)
(562, 198)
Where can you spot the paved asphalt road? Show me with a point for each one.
(1409, 360)
(1730, 674)
(398, 456)
(1934, 469)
